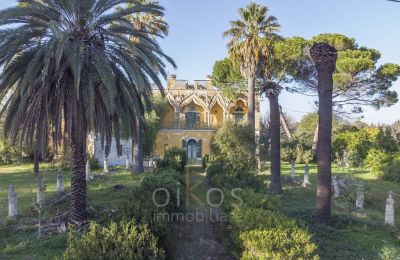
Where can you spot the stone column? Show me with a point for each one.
(151, 162)
(39, 190)
(127, 162)
(105, 165)
(292, 170)
(389, 210)
(360, 195)
(87, 170)
(12, 202)
(208, 118)
(60, 182)
(177, 115)
(306, 181)
(336, 187)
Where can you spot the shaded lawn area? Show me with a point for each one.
(103, 201)
(365, 236)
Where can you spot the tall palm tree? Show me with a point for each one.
(272, 91)
(324, 56)
(155, 26)
(247, 46)
(72, 65)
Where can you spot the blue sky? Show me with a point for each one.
(196, 41)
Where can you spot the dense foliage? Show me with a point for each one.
(231, 159)
(174, 158)
(122, 240)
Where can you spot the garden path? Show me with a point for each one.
(197, 238)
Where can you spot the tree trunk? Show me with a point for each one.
(325, 57)
(78, 182)
(275, 134)
(36, 160)
(138, 148)
(251, 103)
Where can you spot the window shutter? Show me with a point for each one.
(199, 147)
(184, 144)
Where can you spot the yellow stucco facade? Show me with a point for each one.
(194, 113)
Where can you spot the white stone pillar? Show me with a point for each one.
(87, 170)
(39, 190)
(208, 118)
(105, 165)
(12, 202)
(177, 117)
(389, 209)
(151, 162)
(292, 170)
(336, 187)
(360, 196)
(60, 182)
(306, 181)
(127, 162)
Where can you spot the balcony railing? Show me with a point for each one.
(189, 126)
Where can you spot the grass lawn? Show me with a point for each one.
(365, 235)
(103, 201)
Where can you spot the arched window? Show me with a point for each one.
(192, 117)
(239, 115)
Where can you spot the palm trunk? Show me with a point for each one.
(324, 149)
(275, 134)
(251, 102)
(78, 138)
(251, 111)
(78, 181)
(138, 149)
(325, 57)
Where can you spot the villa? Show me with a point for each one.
(194, 112)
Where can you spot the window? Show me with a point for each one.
(239, 116)
(192, 119)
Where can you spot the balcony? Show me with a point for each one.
(182, 125)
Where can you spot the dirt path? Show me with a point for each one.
(197, 238)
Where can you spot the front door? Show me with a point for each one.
(191, 149)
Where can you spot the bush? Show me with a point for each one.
(123, 240)
(377, 161)
(278, 243)
(141, 206)
(174, 158)
(245, 219)
(392, 170)
(389, 252)
(10, 154)
(234, 144)
(168, 179)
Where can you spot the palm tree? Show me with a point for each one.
(272, 91)
(156, 26)
(324, 57)
(247, 46)
(72, 65)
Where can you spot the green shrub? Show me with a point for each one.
(377, 161)
(245, 219)
(392, 171)
(10, 154)
(123, 240)
(278, 243)
(170, 180)
(389, 252)
(253, 199)
(234, 143)
(174, 158)
(141, 206)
